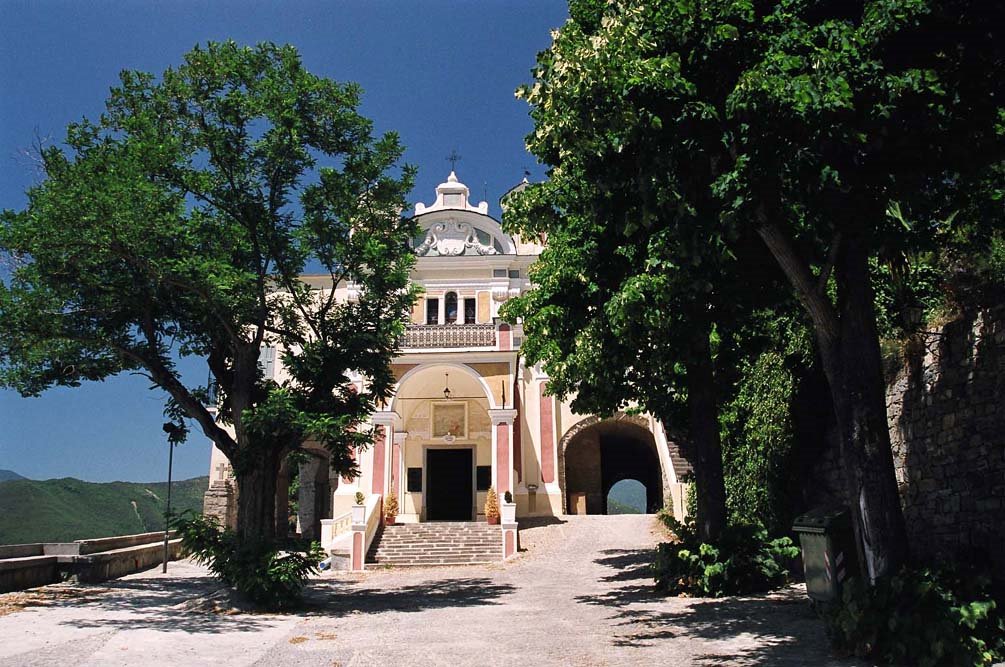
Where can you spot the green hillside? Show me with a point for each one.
(63, 510)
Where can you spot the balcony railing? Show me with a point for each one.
(438, 336)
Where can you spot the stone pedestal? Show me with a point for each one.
(220, 502)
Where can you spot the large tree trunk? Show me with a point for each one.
(706, 447)
(256, 500)
(851, 360)
(855, 373)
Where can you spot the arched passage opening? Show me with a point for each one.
(601, 454)
(627, 497)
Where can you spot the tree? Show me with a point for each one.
(637, 278)
(805, 123)
(180, 223)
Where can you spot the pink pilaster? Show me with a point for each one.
(505, 337)
(395, 467)
(547, 437)
(502, 457)
(379, 452)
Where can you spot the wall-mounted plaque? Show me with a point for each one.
(483, 477)
(414, 482)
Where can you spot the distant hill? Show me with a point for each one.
(8, 475)
(63, 510)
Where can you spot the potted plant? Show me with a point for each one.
(508, 509)
(390, 508)
(359, 509)
(492, 507)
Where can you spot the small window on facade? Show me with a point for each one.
(514, 273)
(267, 361)
(469, 311)
(483, 477)
(450, 307)
(499, 273)
(517, 341)
(432, 311)
(414, 481)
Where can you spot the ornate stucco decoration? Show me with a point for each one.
(451, 239)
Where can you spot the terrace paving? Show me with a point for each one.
(578, 594)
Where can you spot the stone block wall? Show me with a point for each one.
(946, 409)
(220, 502)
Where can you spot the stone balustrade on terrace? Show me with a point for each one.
(439, 336)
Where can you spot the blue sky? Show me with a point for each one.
(440, 73)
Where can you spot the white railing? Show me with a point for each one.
(374, 510)
(363, 533)
(334, 528)
(436, 336)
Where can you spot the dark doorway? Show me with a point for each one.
(449, 488)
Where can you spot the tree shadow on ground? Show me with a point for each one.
(157, 604)
(776, 628)
(338, 598)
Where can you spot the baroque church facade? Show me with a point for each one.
(468, 414)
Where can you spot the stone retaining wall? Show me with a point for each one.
(946, 409)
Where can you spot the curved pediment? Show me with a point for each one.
(452, 227)
(453, 238)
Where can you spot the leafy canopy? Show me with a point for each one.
(179, 223)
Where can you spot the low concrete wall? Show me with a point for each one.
(107, 565)
(17, 574)
(21, 550)
(29, 565)
(120, 542)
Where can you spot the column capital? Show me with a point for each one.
(387, 418)
(399, 437)
(502, 416)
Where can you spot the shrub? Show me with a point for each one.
(491, 504)
(391, 506)
(360, 498)
(922, 617)
(258, 570)
(508, 497)
(745, 560)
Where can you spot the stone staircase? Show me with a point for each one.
(438, 543)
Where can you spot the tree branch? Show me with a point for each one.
(796, 269)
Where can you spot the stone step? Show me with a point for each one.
(452, 543)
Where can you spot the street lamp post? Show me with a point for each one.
(171, 430)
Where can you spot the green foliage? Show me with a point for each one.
(923, 617)
(758, 438)
(63, 510)
(744, 560)
(257, 569)
(179, 223)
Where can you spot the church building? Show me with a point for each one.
(468, 413)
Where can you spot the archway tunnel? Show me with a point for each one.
(605, 453)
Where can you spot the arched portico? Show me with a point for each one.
(595, 454)
(448, 441)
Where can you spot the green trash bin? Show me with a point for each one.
(829, 552)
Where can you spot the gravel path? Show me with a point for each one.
(579, 594)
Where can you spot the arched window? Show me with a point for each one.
(450, 307)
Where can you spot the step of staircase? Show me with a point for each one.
(438, 543)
